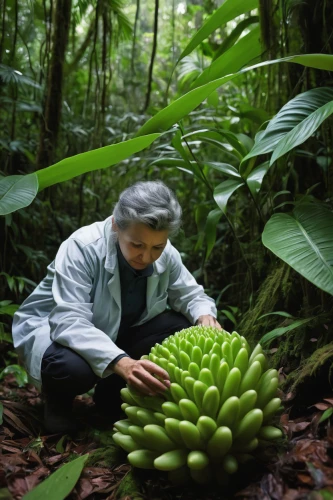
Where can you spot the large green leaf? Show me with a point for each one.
(292, 113)
(234, 35)
(92, 160)
(277, 332)
(59, 485)
(255, 178)
(181, 107)
(304, 240)
(17, 191)
(212, 220)
(228, 11)
(223, 191)
(302, 131)
(243, 52)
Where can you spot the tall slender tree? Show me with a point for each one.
(50, 122)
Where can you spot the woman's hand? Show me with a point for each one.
(208, 320)
(139, 374)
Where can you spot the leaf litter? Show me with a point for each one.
(300, 468)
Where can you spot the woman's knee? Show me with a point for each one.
(64, 370)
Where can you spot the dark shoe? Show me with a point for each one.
(58, 417)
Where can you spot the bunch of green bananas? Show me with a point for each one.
(217, 411)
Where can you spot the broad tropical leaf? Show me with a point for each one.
(228, 11)
(245, 51)
(181, 107)
(292, 113)
(92, 160)
(17, 191)
(304, 240)
(224, 168)
(59, 485)
(302, 131)
(255, 178)
(277, 332)
(235, 34)
(223, 191)
(212, 220)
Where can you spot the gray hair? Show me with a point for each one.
(151, 203)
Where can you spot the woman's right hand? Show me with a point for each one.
(139, 374)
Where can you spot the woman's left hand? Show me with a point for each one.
(208, 320)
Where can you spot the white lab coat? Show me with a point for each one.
(78, 303)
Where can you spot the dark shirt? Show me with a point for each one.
(133, 285)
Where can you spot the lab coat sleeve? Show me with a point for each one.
(185, 295)
(71, 320)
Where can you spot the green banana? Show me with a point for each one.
(229, 412)
(197, 355)
(124, 441)
(206, 376)
(184, 375)
(205, 361)
(131, 412)
(227, 353)
(209, 342)
(231, 386)
(178, 375)
(153, 403)
(122, 426)
(247, 401)
(171, 410)
(206, 426)
(189, 410)
(197, 460)
(171, 372)
(194, 370)
(127, 397)
(256, 350)
(199, 389)
(235, 345)
(246, 344)
(242, 360)
(158, 438)
(138, 434)
(267, 392)
(271, 408)
(190, 435)
(146, 417)
(177, 392)
(230, 464)
(210, 402)
(173, 360)
(222, 375)
(220, 442)
(249, 426)
(143, 459)
(185, 360)
(216, 349)
(262, 360)
(172, 429)
(251, 377)
(189, 387)
(214, 365)
(171, 460)
(269, 433)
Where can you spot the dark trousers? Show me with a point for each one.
(65, 374)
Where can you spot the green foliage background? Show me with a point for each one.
(216, 152)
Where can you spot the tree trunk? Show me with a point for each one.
(52, 112)
(150, 74)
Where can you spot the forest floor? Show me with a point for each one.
(303, 469)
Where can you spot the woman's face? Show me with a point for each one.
(141, 245)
